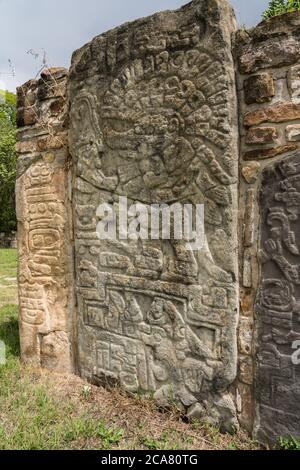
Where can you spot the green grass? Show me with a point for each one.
(8, 261)
(167, 441)
(30, 417)
(8, 275)
(289, 443)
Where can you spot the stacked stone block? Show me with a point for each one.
(268, 74)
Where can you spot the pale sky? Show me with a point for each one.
(61, 26)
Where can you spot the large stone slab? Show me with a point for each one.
(278, 371)
(153, 118)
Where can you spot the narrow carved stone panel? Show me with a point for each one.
(43, 211)
(278, 303)
(153, 118)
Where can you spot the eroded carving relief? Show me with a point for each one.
(152, 111)
(278, 304)
(44, 220)
(43, 285)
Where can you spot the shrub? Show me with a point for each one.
(278, 7)
(7, 161)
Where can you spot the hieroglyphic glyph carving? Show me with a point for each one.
(278, 303)
(152, 118)
(43, 284)
(45, 274)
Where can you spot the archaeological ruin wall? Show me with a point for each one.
(178, 108)
(268, 82)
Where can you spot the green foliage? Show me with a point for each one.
(108, 436)
(7, 161)
(293, 5)
(278, 7)
(290, 443)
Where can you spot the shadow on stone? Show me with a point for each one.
(9, 334)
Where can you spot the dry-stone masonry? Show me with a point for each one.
(182, 108)
(268, 81)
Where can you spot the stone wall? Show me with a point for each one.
(153, 112)
(269, 96)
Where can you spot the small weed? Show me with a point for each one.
(289, 443)
(232, 446)
(151, 443)
(86, 391)
(109, 436)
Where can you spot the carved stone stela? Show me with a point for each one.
(152, 112)
(174, 109)
(278, 305)
(43, 224)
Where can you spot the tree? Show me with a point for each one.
(293, 5)
(7, 161)
(278, 7)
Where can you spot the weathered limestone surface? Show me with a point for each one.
(151, 114)
(268, 84)
(278, 381)
(44, 223)
(153, 118)
(272, 44)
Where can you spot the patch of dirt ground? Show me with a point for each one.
(144, 425)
